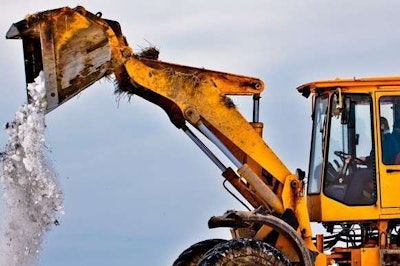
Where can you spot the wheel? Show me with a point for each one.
(192, 255)
(342, 155)
(244, 252)
(345, 157)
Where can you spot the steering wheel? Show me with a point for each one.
(347, 158)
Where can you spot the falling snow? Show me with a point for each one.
(32, 196)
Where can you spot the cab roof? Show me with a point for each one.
(326, 85)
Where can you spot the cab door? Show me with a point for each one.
(388, 147)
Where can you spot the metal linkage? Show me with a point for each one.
(256, 108)
(219, 144)
(205, 149)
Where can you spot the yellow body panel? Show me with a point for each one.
(320, 206)
(389, 175)
(355, 257)
(200, 91)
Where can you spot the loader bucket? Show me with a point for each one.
(73, 47)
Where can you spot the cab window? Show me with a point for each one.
(349, 177)
(389, 107)
(317, 144)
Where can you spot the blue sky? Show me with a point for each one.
(137, 191)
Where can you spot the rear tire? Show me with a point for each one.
(192, 255)
(244, 252)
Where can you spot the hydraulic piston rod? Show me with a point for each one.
(205, 149)
(219, 144)
(265, 193)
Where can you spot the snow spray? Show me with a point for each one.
(31, 192)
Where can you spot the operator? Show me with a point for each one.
(389, 143)
(361, 183)
(396, 139)
(396, 130)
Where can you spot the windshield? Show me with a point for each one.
(346, 173)
(349, 177)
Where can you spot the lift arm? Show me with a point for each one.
(75, 48)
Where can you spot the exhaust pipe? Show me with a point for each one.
(73, 47)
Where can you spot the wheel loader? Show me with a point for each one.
(354, 171)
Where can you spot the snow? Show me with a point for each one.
(32, 196)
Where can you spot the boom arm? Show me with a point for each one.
(75, 48)
(200, 97)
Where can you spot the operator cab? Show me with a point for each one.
(355, 149)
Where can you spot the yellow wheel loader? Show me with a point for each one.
(354, 169)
